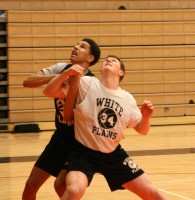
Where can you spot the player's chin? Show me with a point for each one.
(73, 59)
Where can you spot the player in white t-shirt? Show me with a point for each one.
(50, 162)
(103, 111)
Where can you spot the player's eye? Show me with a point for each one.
(114, 60)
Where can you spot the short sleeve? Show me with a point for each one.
(54, 69)
(135, 114)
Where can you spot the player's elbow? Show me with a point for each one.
(29, 83)
(26, 83)
(142, 130)
(50, 93)
(47, 92)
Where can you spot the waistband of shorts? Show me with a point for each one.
(78, 144)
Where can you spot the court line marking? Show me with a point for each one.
(174, 181)
(174, 194)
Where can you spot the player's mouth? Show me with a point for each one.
(108, 64)
(74, 53)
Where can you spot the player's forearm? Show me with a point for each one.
(71, 99)
(147, 110)
(57, 88)
(37, 80)
(143, 126)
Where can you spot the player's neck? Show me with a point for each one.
(84, 65)
(110, 82)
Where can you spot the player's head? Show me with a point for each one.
(85, 53)
(94, 50)
(122, 66)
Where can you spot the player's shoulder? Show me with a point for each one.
(90, 78)
(127, 94)
(61, 64)
(87, 80)
(58, 67)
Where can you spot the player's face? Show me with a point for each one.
(112, 64)
(80, 53)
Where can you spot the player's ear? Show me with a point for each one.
(121, 72)
(90, 58)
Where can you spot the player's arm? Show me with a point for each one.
(71, 99)
(144, 125)
(58, 86)
(38, 79)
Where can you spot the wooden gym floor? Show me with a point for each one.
(167, 154)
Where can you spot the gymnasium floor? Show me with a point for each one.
(167, 154)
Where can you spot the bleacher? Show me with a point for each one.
(157, 46)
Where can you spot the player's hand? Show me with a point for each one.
(147, 109)
(75, 70)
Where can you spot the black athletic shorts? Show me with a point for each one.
(54, 155)
(117, 167)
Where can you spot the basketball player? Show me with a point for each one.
(103, 111)
(86, 53)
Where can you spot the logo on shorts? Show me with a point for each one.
(107, 118)
(129, 162)
(60, 109)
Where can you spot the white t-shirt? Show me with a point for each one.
(102, 114)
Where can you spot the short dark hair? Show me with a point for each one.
(122, 65)
(94, 50)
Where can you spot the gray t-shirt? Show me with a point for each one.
(54, 69)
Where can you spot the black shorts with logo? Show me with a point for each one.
(55, 154)
(117, 167)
